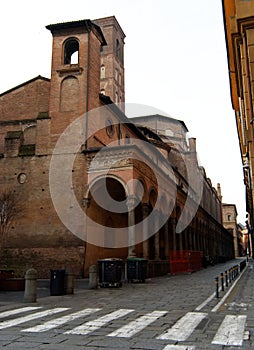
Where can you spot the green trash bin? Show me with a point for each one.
(110, 272)
(136, 269)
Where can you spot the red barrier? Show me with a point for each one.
(185, 261)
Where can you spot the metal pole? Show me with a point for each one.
(217, 287)
(226, 278)
(222, 282)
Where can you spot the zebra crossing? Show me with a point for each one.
(231, 331)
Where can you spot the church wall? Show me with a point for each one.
(26, 101)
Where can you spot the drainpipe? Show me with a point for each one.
(87, 83)
(250, 105)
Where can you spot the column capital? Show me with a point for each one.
(131, 201)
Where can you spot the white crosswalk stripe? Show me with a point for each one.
(183, 328)
(19, 320)
(179, 347)
(92, 326)
(18, 311)
(231, 331)
(137, 325)
(60, 321)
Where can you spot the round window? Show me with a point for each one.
(22, 178)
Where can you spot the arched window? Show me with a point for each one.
(71, 51)
(116, 97)
(103, 72)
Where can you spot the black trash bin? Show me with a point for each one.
(57, 282)
(110, 272)
(136, 269)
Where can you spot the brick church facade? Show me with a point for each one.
(110, 150)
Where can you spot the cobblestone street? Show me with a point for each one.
(177, 312)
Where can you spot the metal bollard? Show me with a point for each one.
(30, 294)
(222, 281)
(217, 287)
(226, 278)
(236, 270)
(93, 283)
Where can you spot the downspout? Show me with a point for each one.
(87, 84)
(86, 130)
(250, 105)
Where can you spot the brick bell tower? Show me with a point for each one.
(112, 60)
(75, 72)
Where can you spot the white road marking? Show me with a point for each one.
(215, 309)
(18, 311)
(179, 347)
(202, 305)
(92, 326)
(19, 320)
(212, 296)
(231, 331)
(137, 325)
(183, 328)
(60, 321)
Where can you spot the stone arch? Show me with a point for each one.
(102, 212)
(111, 176)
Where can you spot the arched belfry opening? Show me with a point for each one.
(71, 51)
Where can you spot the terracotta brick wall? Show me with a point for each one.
(26, 101)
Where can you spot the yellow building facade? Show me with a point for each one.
(239, 33)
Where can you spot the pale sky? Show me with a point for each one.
(175, 61)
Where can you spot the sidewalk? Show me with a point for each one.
(201, 283)
(43, 291)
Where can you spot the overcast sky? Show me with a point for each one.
(175, 61)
